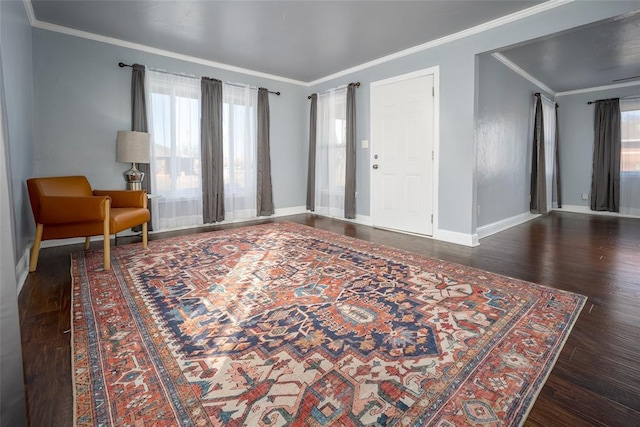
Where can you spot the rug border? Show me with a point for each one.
(72, 346)
(552, 365)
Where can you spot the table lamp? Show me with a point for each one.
(133, 147)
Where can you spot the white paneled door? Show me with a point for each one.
(402, 143)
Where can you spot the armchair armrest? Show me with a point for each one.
(125, 198)
(70, 209)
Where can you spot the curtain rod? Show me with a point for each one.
(538, 94)
(356, 84)
(598, 100)
(122, 65)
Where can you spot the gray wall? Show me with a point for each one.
(575, 119)
(84, 99)
(457, 192)
(503, 134)
(15, 165)
(17, 69)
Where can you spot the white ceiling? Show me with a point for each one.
(308, 40)
(300, 40)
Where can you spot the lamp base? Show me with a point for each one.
(134, 185)
(133, 178)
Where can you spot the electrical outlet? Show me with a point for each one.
(585, 196)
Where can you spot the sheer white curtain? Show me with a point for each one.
(549, 121)
(331, 153)
(174, 125)
(239, 140)
(630, 156)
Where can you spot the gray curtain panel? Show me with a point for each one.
(558, 180)
(605, 181)
(538, 202)
(211, 151)
(350, 178)
(139, 123)
(311, 169)
(264, 189)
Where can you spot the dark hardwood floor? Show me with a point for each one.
(596, 380)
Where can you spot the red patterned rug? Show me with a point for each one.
(283, 324)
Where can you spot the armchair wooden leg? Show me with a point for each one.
(35, 250)
(107, 248)
(87, 243)
(145, 238)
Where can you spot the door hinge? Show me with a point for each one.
(433, 91)
(433, 155)
(431, 218)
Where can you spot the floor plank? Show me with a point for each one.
(595, 381)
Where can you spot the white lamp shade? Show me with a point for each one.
(132, 147)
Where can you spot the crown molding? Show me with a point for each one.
(598, 88)
(447, 39)
(28, 7)
(410, 51)
(506, 61)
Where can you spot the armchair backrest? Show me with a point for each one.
(56, 186)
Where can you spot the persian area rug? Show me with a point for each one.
(282, 324)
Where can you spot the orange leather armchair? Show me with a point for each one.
(66, 206)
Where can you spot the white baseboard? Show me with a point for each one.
(295, 210)
(443, 235)
(464, 239)
(64, 242)
(503, 224)
(22, 268)
(75, 240)
(364, 220)
(587, 210)
(359, 219)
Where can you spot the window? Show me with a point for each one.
(630, 134)
(174, 114)
(630, 156)
(177, 157)
(549, 123)
(338, 146)
(331, 153)
(239, 142)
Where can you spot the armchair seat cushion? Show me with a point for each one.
(123, 218)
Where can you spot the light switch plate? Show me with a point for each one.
(365, 143)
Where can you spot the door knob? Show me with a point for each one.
(375, 166)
